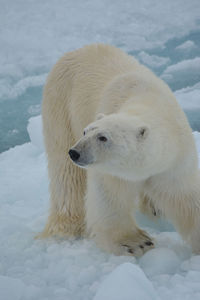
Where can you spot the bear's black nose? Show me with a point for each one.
(74, 154)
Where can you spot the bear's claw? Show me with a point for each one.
(138, 245)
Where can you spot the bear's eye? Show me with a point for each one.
(102, 138)
(84, 132)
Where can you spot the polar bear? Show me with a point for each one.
(130, 145)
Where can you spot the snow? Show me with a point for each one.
(189, 98)
(40, 32)
(153, 61)
(126, 282)
(186, 46)
(160, 261)
(35, 132)
(163, 35)
(36, 33)
(16, 90)
(77, 269)
(11, 288)
(179, 73)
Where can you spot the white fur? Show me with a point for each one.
(147, 154)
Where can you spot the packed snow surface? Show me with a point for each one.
(77, 269)
(126, 282)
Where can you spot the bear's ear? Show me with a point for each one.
(100, 116)
(142, 132)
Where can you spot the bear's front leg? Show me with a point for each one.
(109, 208)
(67, 187)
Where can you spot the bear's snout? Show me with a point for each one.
(74, 154)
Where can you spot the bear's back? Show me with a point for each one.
(90, 69)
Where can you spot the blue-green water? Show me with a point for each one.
(14, 115)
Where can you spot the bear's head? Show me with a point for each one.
(121, 145)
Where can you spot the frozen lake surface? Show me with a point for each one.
(164, 35)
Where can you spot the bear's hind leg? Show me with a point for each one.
(147, 207)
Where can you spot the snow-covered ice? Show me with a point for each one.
(179, 72)
(126, 282)
(40, 32)
(189, 98)
(160, 261)
(153, 61)
(164, 35)
(35, 132)
(76, 269)
(186, 46)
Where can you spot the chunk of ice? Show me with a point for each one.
(159, 261)
(126, 282)
(35, 132)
